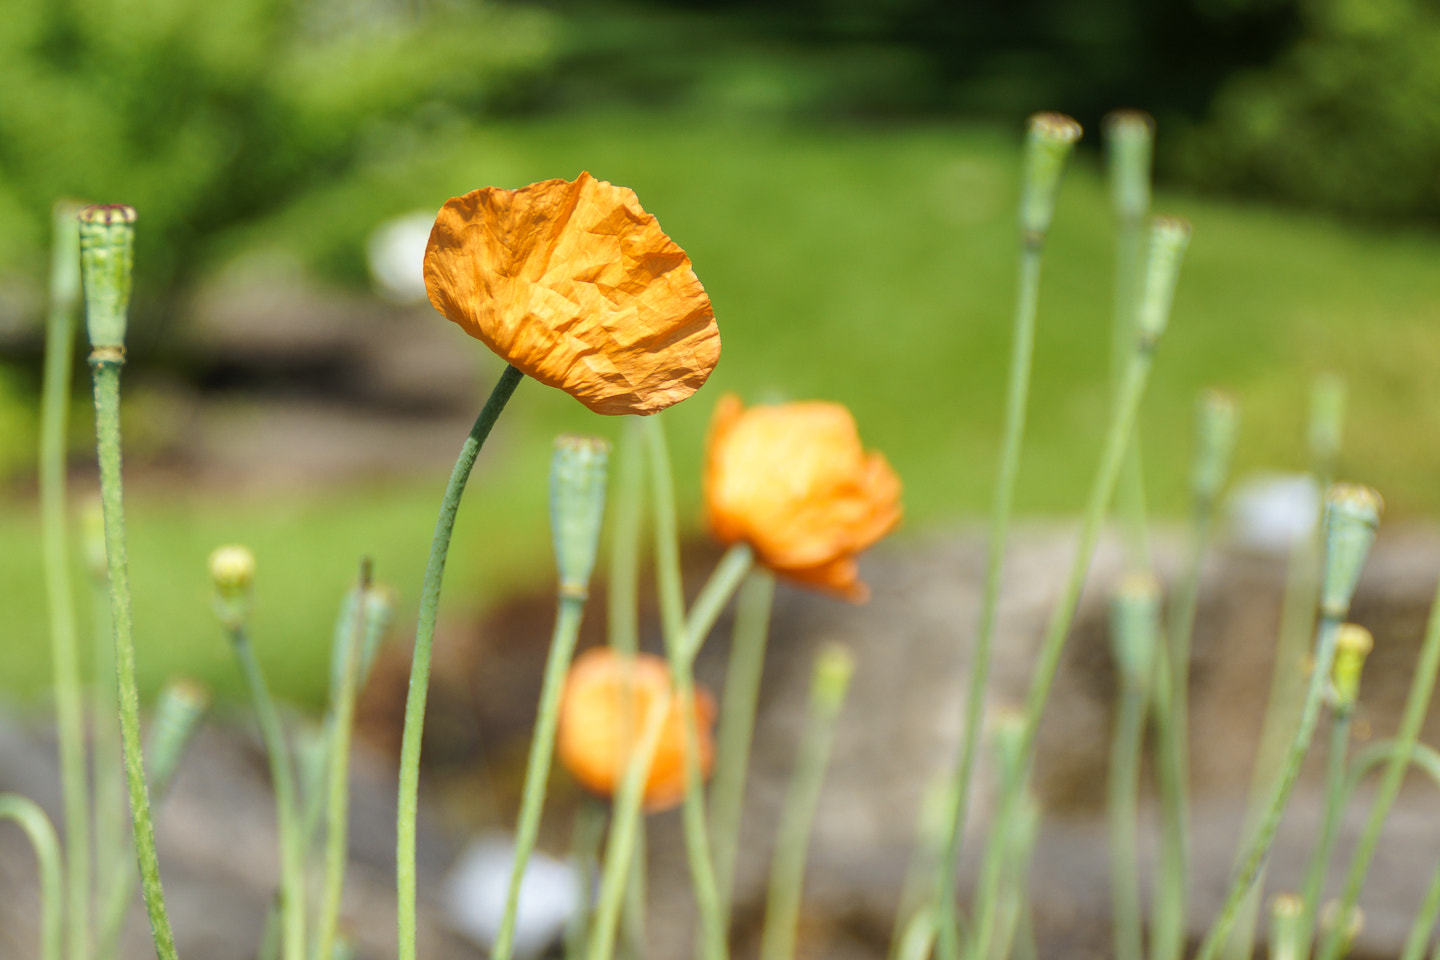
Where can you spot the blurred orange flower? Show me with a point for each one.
(597, 732)
(793, 482)
(578, 287)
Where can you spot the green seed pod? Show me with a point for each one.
(1216, 424)
(1352, 515)
(107, 258)
(1049, 139)
(178, 712)
(577, 508)
(1169, 236)
(1135, 627)
(232, 571)
(1286, 913)
(1129, 146)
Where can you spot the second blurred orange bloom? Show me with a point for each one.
(793, 481)
(606, 704)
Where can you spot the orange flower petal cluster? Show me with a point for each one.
(793, 481)
(577, 286)
(605, 705)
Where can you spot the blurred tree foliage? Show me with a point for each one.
(211, 115)
(1347, 118)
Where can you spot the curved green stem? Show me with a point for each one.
(37, 826)
(282, 777)
(1335, 797)
(409, 792)
(106, 373)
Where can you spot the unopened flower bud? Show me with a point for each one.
(1129, 144)
(178, 712)
(1352, 515)
(1135, 627)
(232, 568)
(1215, 429)
(1332, 925)
(834, 666)
(1352, 644)
(107, 258)
(379, 613)
(92, 539)
(1049, 139)
(1286, 913)
(1169, 236)
(577, 507)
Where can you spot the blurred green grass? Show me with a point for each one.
(868, 265)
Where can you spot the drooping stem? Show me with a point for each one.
(38, 828)
(409, 791)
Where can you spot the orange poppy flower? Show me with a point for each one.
(578, 287)
(593, 740)
(793, 482)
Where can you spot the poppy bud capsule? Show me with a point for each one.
(1135, 627)
(1215, 428)
(1352, 515)
(107, 257)
(1129, 145)
(577, 507)
(1352, 644)
(1049, 140)
(1169, 236)
(1286, 914)
(178, 712)
(232, 570)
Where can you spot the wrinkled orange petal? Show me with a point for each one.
(606, 703)
(578, 287)
(794, 482)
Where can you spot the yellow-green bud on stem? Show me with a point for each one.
(1352, 644)
(1287, 912)
(577, 508)
(1135, 627)
(232, 570)
(178, 712)
(1352, 515)
(1216, 421)
(1129, 146)
(1327, 418)
(92, 540)
(834, 666)
(1348, 931)
(1049, 139)
(1007, 736)
(1169, 236)
(107, 257)
(379, 614)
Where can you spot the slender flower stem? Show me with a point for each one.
(1122, 420)
(1259, 844)
(37, 826)
(59, 594)
(1329, 827)
(833, 670)
(1424, 923)
(1416, 705)
(737, 726)
(350, 636)
(1124, 786)
(625, 820)
(682, 642)
(537, 771)
(282, 777)
(1047, 146)
(106, 372)
(589, 831)
(409, 792)
(625, 530)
